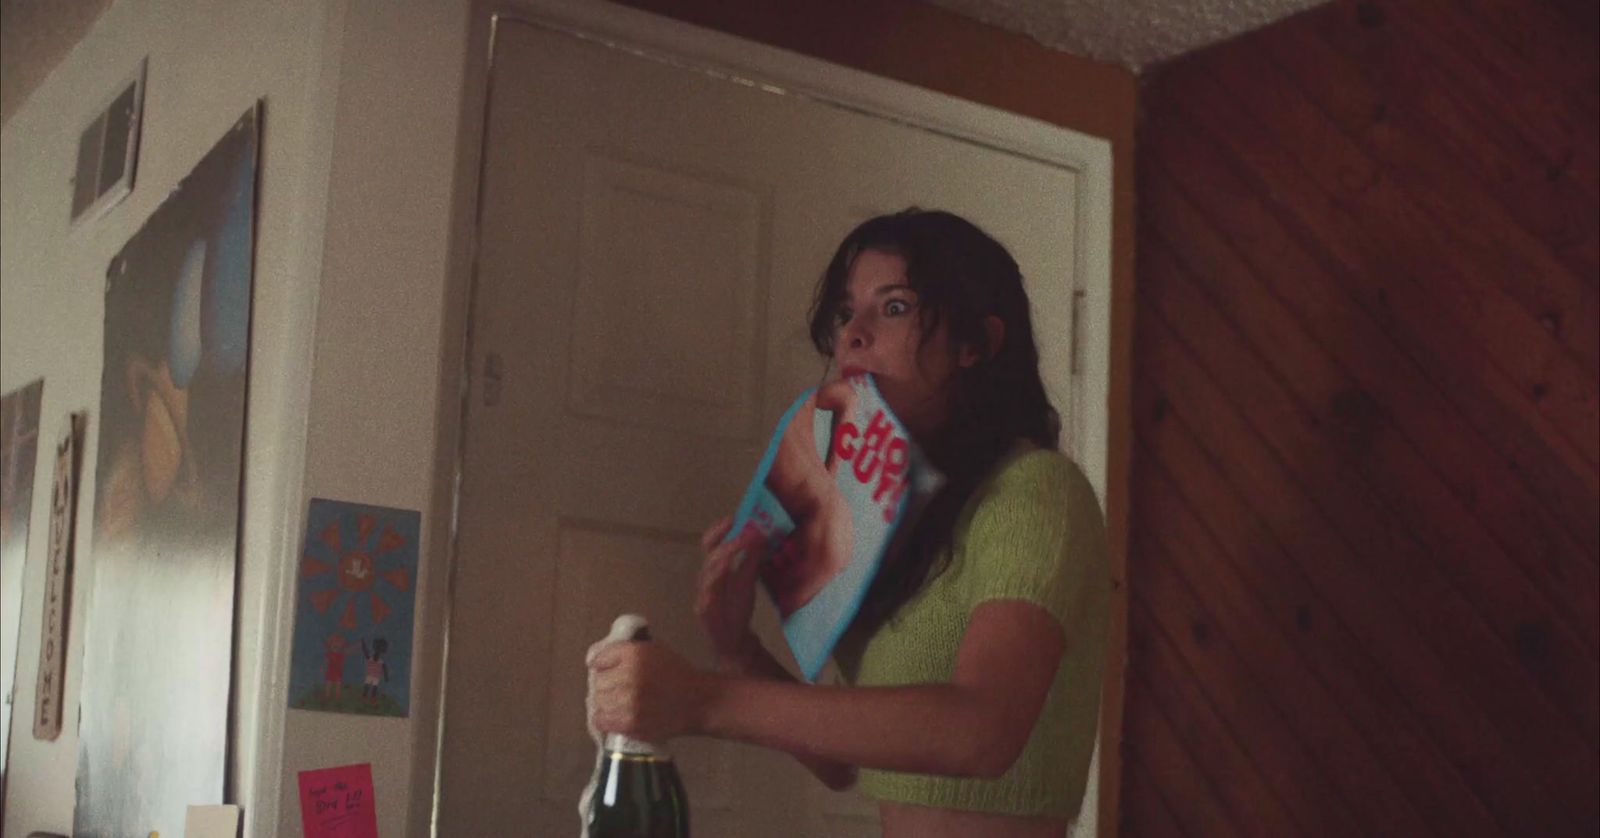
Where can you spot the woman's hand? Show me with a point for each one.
(648, 692)
(727, 593)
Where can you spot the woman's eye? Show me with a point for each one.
(894, 308)
(841, 317)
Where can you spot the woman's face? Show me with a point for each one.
(878, 329)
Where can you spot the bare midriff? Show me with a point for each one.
(903, 820)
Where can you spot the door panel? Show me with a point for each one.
(650, 236)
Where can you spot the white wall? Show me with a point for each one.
(207, 63)
(372, 436)
(357, 165)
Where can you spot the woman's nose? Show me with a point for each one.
(856, 333)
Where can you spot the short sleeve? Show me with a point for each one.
(1035, 534)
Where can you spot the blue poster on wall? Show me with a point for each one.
(355, 609)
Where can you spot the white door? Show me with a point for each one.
(650, 235)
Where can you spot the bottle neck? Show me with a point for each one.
(616, 743)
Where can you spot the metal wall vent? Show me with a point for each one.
(108, 150)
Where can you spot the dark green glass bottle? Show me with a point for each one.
(637, 794)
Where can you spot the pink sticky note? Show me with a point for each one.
(337, 802)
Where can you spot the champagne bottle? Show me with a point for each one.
(636, 789)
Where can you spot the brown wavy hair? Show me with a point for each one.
(961, 276)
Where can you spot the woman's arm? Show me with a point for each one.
(726, 598)
(757, 662)
(976, 725)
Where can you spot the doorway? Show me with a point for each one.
(655, 206)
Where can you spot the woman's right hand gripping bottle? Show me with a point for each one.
(635, 791)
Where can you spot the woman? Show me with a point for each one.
(974, 666)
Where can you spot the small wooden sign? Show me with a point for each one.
(58, 584)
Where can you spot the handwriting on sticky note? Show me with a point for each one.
(338, 802)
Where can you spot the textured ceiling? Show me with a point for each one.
(36, 34)
(1133, 33)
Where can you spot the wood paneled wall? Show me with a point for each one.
(1363, 569)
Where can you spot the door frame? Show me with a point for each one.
(784, 72)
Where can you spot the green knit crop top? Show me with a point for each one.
(1033, 532)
